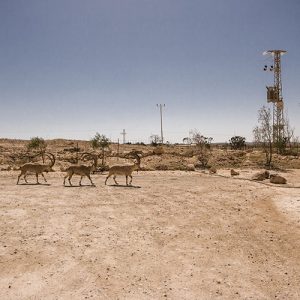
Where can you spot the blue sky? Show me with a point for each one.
(71, 68)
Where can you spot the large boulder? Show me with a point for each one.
(277, 179)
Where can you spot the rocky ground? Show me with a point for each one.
(172, 235)
(14, 153)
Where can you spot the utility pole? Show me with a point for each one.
(274, 95)
(161, 121)
(123, 133)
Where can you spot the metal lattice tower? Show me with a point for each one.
(275, 96)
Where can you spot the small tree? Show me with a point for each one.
(38, 144)
(296, 145)
(102, 142)
(289, 134)
(263, 133)
(203, 146)
(237, 143)
(187, 140)
(154, 140)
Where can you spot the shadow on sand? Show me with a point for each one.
(125, 186)
(44, 184)
(79, 186)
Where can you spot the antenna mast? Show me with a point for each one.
(274, 95)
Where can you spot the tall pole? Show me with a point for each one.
(277, 99)
(161, 121)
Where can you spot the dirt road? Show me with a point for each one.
(173, 235)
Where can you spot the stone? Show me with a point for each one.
(234, 173)
(261, 176)
(277, 179)
(212, 170)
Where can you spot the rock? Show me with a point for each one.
(190, 167)
(6, 168)
(234, 173)
(212, 170)
(261, 176)
(277, 179)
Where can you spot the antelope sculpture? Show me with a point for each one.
(125, 170)
(37, 168)
(81, 170)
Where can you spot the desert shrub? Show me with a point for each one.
(162, 167)
(263, 134)
(102, 168)
(240, 153)
(72, 149)
(292, 152)
(187, 140)
(100, 141)
(237, 143)
(159, 150)
(38, 144)
(154, 140)
(175, 166)
(188, 153)
(203, 147)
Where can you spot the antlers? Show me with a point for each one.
(90, 156)
(135, 155)
(51, 157)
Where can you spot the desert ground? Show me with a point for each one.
(173, 234)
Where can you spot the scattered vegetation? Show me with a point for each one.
(37, 144)
(237, 143)
(263, 134)
(100, 141)
(154, 140)
(203, 147)
(174, 157)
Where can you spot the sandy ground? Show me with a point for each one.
(173, 235)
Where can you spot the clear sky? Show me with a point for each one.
(71, 68)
